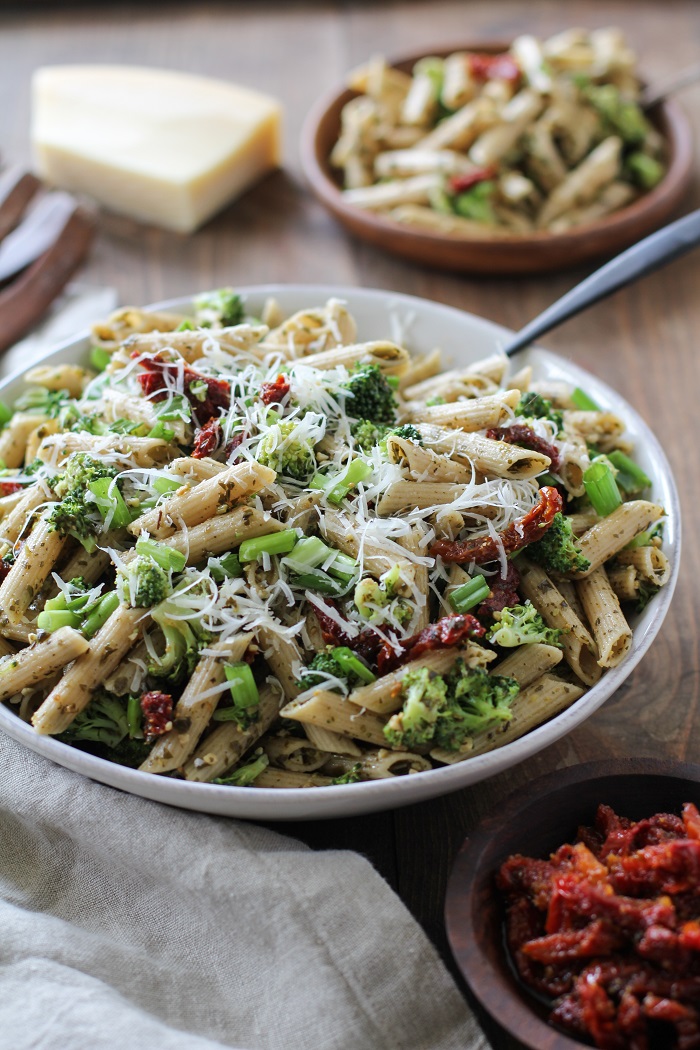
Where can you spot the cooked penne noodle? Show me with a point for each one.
(377, 765)
(293, 753)
(528, 663)
(70, 378)
(650, 564)
(31, 666)
(136, 451)
(222, 533)
(580, 650)
(610, 629)
(15, 523)
(34, 562)
(611, 534)
(624, 581)
(389, 357)
(74, 690)
(425, 465)
(341, 532)
(223, 747)
(330, 711)
(192, 345)
(486, 455)
(416, 495)
(336, 743)
(285, 778)
(13, 439)
(475, 414)
(213, 496)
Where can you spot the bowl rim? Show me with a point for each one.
(521, 1020)
(305, 803)
(317, 169)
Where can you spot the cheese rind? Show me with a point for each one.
(159, 146)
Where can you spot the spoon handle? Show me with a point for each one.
(680, 79)
(642, 258)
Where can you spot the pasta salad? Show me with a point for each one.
(254, 551)
(548, 135)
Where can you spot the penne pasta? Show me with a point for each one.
(610, 629)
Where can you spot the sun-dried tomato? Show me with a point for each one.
(445, 633)
(462, 183)
(7, 488)
(207, 440)
(157, 711)
(206, 394)
(609, 930)
(504, 593)
(520, 434)
(494, 67)
(531, 527)
(274, 393)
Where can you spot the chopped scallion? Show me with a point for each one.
(601, 489)
(274, 543)
(351, 664)
(166, 557)
(110, 502)
(630, 477)
(100, 614)
(582, 401)
(99, 358)
(337, 486)
(469, 594)
(244, 694)
(52, 619)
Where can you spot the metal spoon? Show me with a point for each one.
(670, 84)
(642, 258)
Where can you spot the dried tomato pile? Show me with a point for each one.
(608, 929)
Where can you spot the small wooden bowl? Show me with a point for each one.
(532, 253)
(535, 822)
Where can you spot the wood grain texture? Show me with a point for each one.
(643, 341)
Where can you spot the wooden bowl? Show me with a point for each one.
(535, 822)
(532, 253)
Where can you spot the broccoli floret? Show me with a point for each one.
(244, 775)
(142, 582)
(408, 432)
(521, 625)
(447, 710)
(103, 721)
(367, 434)
(476, 701)
(39, 399)
(556, 551)
(325, 663)
(621, 114)
(281, 451)
(351, 777)
(372, 397)
(219, 309)
(181, 650)
(425, 694)
(372, 598)
(76, 515)
(534, 406)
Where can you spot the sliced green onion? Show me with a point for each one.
(337, 486)
(52, 619)
(134, 717)
(317, 580)
(225, 568)
(6, 413)
(546, 479)
(630, 477)
(644, 539)
(161, 431)
(166, 557)
(59, 603)
(581, 399)
(185, 326)
(163, 485)
(351, 664)
(393, 382)
(110, 501)
(99, 358)
(244, 693)
(176, 407)
(310, 551)
(274, 543)
(469, 594)
(601, 489)
(100, 614)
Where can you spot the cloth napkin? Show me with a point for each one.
(126, 923)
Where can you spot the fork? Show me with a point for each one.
(44, 237)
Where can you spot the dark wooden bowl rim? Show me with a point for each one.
(538, 250)
(472, 908)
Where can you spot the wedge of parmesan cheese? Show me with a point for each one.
(162, 147)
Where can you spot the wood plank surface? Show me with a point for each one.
(643, 341)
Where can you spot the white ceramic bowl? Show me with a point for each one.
(463, 338)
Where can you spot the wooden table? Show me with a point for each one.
(642, 341)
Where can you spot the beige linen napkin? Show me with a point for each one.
(128, 924)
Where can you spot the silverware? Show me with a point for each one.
(44, 237)
(642, 258)
(669, 85)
